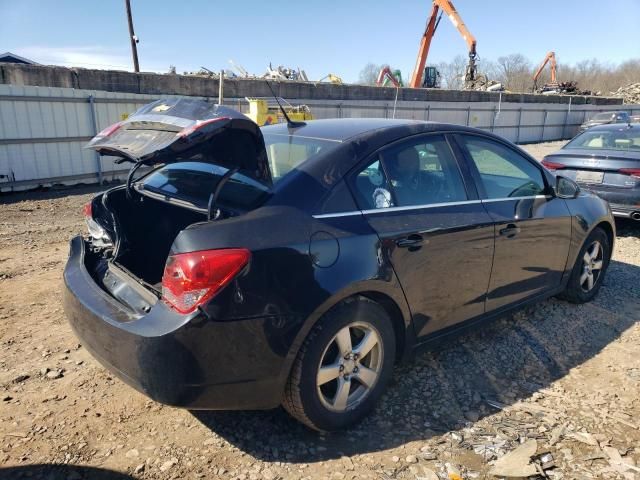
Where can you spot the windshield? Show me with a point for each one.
(602, 116)
(628, 139)
(194, 182)
(286, 152)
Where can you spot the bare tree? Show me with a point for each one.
(514, 72)
(452, 73)
(369, 74)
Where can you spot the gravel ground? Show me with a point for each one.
(554, 378)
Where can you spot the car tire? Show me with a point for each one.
(589, 270)
(312, 394)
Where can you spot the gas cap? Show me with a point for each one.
(324, 249)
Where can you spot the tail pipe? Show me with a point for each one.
(636, 216)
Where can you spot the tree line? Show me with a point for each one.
(516, 72)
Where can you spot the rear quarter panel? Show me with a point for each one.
(588, 211)
(300, 268)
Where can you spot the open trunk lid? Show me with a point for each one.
(178, 129)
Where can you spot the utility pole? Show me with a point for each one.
(133, 38)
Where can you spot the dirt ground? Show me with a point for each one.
(554, 378)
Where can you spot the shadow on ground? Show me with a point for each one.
(49, 193)
(625, 227)
(60, 472)
(505, 361)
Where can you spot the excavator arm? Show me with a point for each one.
(550, 58)
(425, 43)
(387, 76)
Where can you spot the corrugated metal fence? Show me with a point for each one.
(43, 129)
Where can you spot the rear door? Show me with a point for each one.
(532, 226)
(432, 227)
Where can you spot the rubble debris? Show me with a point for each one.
(517, 463)
(584, 438)
(54, 374)
(285, 73)
(629, 93)
(491, 449)
(428, 474)
(20, 378)
(556, 434)
(453, 472)
(546, 461)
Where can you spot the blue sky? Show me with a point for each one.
(318, 36)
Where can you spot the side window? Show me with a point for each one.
(417, 172)
(372, 188)
(504, 172)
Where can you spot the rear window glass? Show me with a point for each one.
(627, 139)
(603, 116)
(287, 152)
(194, 182)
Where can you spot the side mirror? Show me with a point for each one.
(566, 188)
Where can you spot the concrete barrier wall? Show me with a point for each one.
(43, 129)
(190, 85)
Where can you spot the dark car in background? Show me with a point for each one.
(605, 160)
(295, 264)
(604, 118)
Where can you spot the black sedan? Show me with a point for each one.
(605, 118)
(293, 265)
(606, 160)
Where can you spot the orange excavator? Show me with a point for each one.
(428, 77)
(553, 84)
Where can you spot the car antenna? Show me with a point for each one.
(290, 123)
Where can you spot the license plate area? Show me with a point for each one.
(583, 176)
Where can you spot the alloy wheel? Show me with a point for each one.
(592, 263)
(349, 367)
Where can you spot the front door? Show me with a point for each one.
(433, 228)
(532, 226)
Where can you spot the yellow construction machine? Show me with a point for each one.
(265, 111)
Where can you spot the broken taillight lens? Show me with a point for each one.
(191, 279)
(87, 210)
(110, 130)
(634, 172)
(96, 232)
(549, 165)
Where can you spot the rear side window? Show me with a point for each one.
(619, 139)
(286, 152)
(194, 182)
(504, 172)
(416, 172)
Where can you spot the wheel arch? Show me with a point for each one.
(388, 296)
(609, 230)
(395, 314)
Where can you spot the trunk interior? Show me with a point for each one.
(148, 228)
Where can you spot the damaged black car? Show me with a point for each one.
(247, 268)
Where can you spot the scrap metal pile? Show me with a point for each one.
(629, 94)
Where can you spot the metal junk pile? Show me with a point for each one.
(629, 94)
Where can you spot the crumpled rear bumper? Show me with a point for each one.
(186, 361)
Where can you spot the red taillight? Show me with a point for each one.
(553, 165)
(185, 132)
(634, 172)
(190, 279)
(87, 210)
(110, 130)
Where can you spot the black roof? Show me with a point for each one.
(339, 129)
